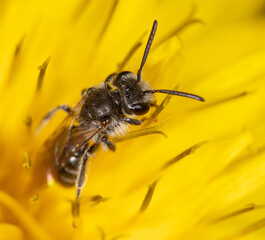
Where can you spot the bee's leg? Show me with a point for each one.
(50, 114)
(131, 121)
(81, 177)
(108, 143)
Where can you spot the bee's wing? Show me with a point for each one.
(77, 138)
(46, 161)
(54, 145)
(67, 139)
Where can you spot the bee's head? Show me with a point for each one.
(135, 101)
(136, 94)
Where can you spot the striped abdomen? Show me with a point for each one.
(67, 175)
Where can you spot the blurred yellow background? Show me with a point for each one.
(211, 48)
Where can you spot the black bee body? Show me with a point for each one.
(102, 112)
(101, 108)
(99, 105)
(115, 105)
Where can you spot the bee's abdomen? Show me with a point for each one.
(68, 174)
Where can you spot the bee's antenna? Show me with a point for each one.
(171, 92)
(147, 48)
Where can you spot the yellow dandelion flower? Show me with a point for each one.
(205, 180)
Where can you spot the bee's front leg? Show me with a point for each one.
(131, 121)
(110, 145)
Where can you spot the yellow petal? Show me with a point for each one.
(10, 232)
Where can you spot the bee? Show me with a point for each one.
(101, 113)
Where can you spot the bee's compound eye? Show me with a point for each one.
(140, 109)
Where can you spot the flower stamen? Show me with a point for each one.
(179, 28)
(148, 196)
(182, 155)
(108, 20)
(42, 69)
(160, 107)
(246, 209)
(27, 162)
(249, 229)
(134, 48)
(23, 216)
(141, 132)
(223, 100)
